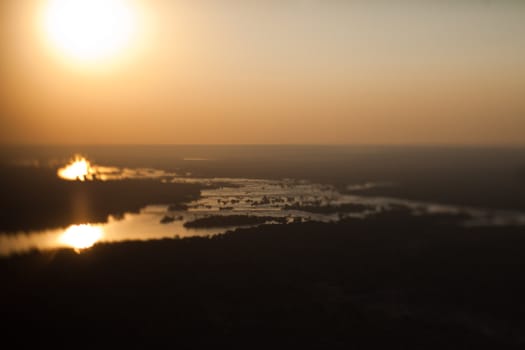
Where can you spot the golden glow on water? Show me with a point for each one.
(78, 169)
(89, 30)
(81, 236)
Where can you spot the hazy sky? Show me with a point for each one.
(289, 71)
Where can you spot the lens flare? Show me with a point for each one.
(81, 236)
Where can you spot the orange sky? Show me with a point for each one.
(274, 72)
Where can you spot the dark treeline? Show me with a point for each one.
(328, 209)
(491, 177)
(231, 220)
(35, 198)
(390, 281)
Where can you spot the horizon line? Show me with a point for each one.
(415, 144)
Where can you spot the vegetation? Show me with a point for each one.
(391, 280)
(34, 199)
(231, 220)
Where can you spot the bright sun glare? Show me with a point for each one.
(78, 169)
(90, 30)
(81, 236)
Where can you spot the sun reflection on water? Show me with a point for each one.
(78, 169)
(81, 236)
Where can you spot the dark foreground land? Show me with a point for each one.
(36, 199)
(391, 281)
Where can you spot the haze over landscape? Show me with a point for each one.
(279, 72)
(262, 174)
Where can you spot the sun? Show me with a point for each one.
(90, 30)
